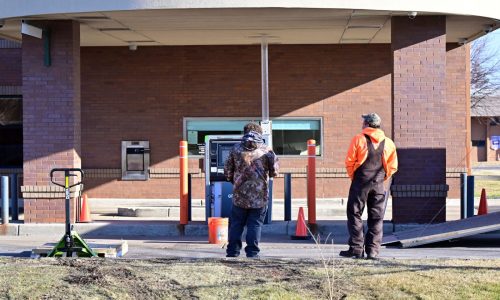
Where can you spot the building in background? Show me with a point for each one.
(485, 133)
(162, 71)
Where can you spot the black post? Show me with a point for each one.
(269, 216)
(470, 196)
(13, 197)
(463, 196)
(189, 197)
(288, 196)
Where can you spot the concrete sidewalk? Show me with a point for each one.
(154, 229)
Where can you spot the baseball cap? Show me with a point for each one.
(372, 119)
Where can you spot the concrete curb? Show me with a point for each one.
(9, 229)
(169, 229)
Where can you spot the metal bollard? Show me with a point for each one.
(470, 196)
(5, 199)
(183, 184)
(311, 182)
(463, 196)
(269, 214)
(190, 198)
(288, 196)
(13, 197)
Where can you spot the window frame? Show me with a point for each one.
(185, 120)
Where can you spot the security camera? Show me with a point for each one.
(2, 23)
(412, 14)
(487, 29)
(462, 41)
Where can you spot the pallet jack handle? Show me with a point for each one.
(67, 174)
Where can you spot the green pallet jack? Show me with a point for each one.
(71, 244)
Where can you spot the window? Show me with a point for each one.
(11, 132)
(478, 143)
(289, 135)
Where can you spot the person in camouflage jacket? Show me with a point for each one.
(248, 167)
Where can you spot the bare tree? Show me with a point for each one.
(485, 71)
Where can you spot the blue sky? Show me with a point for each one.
(494, 38)
(494, 41)
(493, 46)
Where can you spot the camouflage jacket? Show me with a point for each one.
(249, 171)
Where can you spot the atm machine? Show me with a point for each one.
(218, 191)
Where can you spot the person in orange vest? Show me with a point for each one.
(370, 160)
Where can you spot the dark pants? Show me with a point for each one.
(253, 220)
(360, 195)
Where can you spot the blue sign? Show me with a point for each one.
(495, 142)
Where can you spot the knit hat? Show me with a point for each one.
(372, 119)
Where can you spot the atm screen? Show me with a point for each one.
(224, 151)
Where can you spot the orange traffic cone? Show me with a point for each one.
(85, 211)
(483, 204)
(301, 229)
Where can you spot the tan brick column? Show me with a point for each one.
(419, 118)
(51, 116)
(458, 140)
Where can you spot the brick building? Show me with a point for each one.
(160, 71)
(485, 130)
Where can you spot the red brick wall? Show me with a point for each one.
(51, 113)
(457, 78)
(169, 188)
(419, 96)
(144, 95)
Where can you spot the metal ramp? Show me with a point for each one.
(444, 231)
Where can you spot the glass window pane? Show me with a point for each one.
(296, 124)
(11, 132)
(289, 135)
(198, 129)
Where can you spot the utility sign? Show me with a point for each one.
(495, 142)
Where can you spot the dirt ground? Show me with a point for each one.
(248, 279)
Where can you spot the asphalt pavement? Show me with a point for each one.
(484, 246)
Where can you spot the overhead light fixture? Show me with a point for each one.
(364, 26)
(412, 14)
(140, 41)
(114, 29)
(132, 47)
(31, 30)
(462, 41)
(487, 29)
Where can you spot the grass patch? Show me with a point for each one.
(246, 279)
(492, 188)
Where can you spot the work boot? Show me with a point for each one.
(351, 254)
(373, 255)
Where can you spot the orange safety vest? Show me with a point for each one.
(358, 152)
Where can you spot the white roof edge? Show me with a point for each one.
(22, 8)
